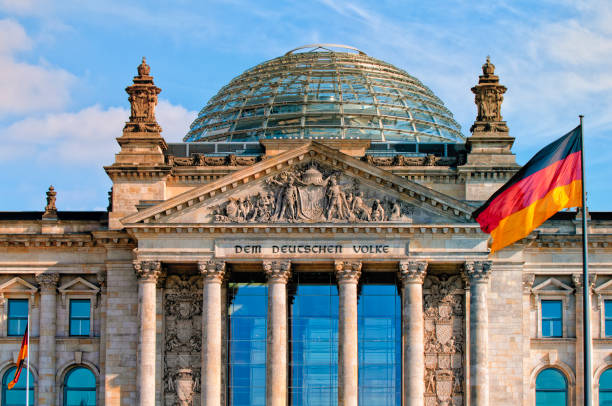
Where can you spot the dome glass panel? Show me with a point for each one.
(322, 94)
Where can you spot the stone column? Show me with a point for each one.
(347, 274)
(412, 275)
(147, 273)
(478, 273)
(278, 273)
(213, 273)
(46, 349)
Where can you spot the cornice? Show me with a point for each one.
(137, 171)
(81, 240)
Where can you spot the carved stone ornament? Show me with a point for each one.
(148, 271)
(212, 271)
(143, 99)
(478, 271)
(182, 339)
(412, 271)
(277, 271)
(47, 281)
(347, 271)
(50, 209)
(444, 339)
(528, 280)
(489, 94)
(311, 195)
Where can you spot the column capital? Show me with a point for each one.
(412, 271)
(277, 271)
(147, 271)
(477, 271)
(47, 281)
(347, 271)
(212, 270)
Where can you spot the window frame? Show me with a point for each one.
(568, 391)
(560, 291)
(33, 382)
(66, 375)
(560, 318)
(8, 314)
(70, 317)
(78, 288)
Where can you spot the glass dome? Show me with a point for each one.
(315, 92)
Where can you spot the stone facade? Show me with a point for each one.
(155, 268)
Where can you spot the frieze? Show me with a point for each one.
(312, 195)
(290, 248)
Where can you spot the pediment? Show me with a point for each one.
(17, 285)
(311, 184)
(552, 286)
(79, 287)
(604, 288)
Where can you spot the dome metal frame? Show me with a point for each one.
(322, 94)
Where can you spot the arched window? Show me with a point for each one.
(605, 388)
(80, 388)
(17, 395)
(551, 388)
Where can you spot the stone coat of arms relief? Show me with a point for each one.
(183, 340)
(444, 313)
(312, 194)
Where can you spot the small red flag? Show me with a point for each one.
(23, 353)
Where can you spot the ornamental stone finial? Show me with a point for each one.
(148, 271)
(488, 95)
(412, 271)
(277, 271)
(143, 68)
(212, 270)
(143, 99)
(477, 271)
(347, 271)
(50, 209)
(47, 281)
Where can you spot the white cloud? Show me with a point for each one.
(86, 137)
(26, 87)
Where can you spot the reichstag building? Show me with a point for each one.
(310, 243)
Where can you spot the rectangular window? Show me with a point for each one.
(79, 317)
(17, 316)
(608, 317)
(552, 318)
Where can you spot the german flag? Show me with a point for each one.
(23, 353)
(549, 182)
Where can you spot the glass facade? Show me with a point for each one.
(552, 318)
(605, 388)
(17, 316)
(246, 362)
(380, 341)
(313, 340)
(80, 388)
(79, 317)
(325, 94)
(17, 395)
(551, 388)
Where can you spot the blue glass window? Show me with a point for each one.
(552, 318)
(17, 395)
(247, 310)
(380, 341)
(80, 388)
(608, 318)
(551, 388)
(17, 316)
(605, 388)
(314, 340)
(79, 317)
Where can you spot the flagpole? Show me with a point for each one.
(586, 305)
(28, 364)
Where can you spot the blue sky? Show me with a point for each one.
(64, 66)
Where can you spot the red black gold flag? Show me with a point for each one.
(549, 182)
(23, 353)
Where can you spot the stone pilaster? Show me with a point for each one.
(412, 275)
(101, 278)
(213, 273)
(528, 279)
(347, 274)
(147, 273)
(478, 273)
(46, 353)
(278, 273)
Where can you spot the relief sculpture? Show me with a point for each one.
(311, 195)
(183, 340)
(443, 306)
